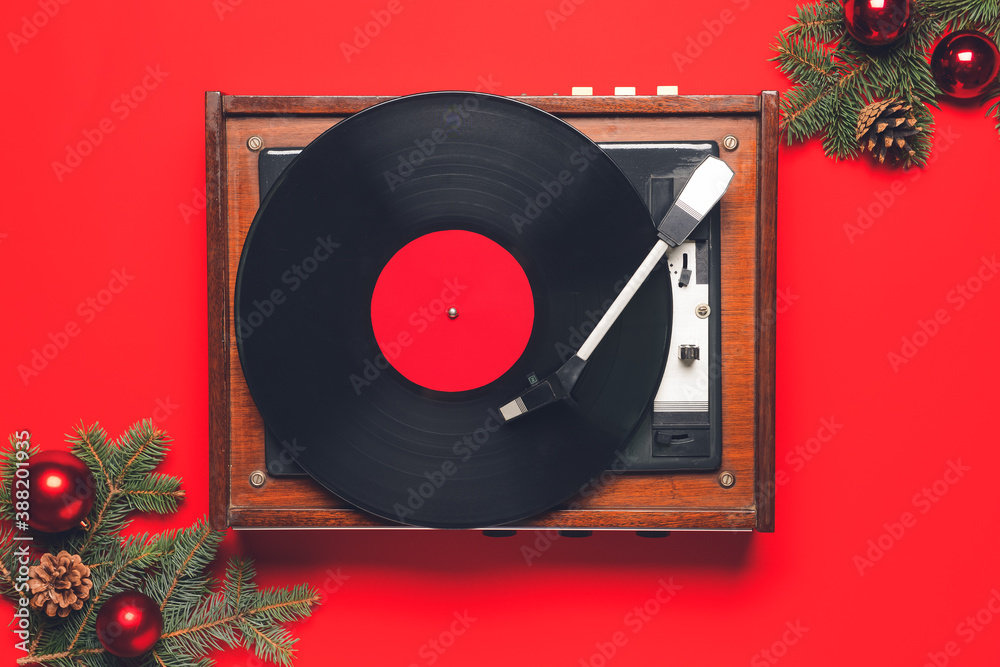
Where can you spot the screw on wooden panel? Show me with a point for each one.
(730, 143)
(702, 310)
(257, 479)
(727, 479)
(254, 143)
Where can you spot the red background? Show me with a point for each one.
(848, 302)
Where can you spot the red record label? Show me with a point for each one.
(452, 310)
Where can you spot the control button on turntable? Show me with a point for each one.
(688, 352)
(685, 278)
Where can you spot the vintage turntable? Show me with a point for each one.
(567, 223)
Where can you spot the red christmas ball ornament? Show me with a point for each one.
(877, 22)
(60, 491)
(964, 63)
(129, 624)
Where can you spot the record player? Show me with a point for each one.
(671, 426)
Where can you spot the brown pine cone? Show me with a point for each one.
(59, 584)
(883, 127)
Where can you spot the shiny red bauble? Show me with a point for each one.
(964, 63)
(877, 22)
(129, 624)
(60, 491)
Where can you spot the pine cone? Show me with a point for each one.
(883, 128)
(59, 584)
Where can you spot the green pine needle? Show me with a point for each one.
(804, 61)
(994, 111)
(200, 614)
(804, 112)
(834, 77)
(981, 15)
(823, 22)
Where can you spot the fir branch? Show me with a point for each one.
(91, 446)
(161, 658)
(853, 81)
(921, 142)
(803, 61)
(9, 460)
(803, 112)
(123, 481)
(170, 567)
(140, 450)
(241, 615)
(840, 142)
(123, 572)
(834, 76)
(819, 23)
(981, 15)
(157, 494)
(994, 110)
(8, 586)
(60, 657)
(193, 549)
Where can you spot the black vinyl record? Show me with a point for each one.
(359, 193)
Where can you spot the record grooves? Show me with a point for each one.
(353, 198)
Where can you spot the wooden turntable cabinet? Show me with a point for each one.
(739, 495)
